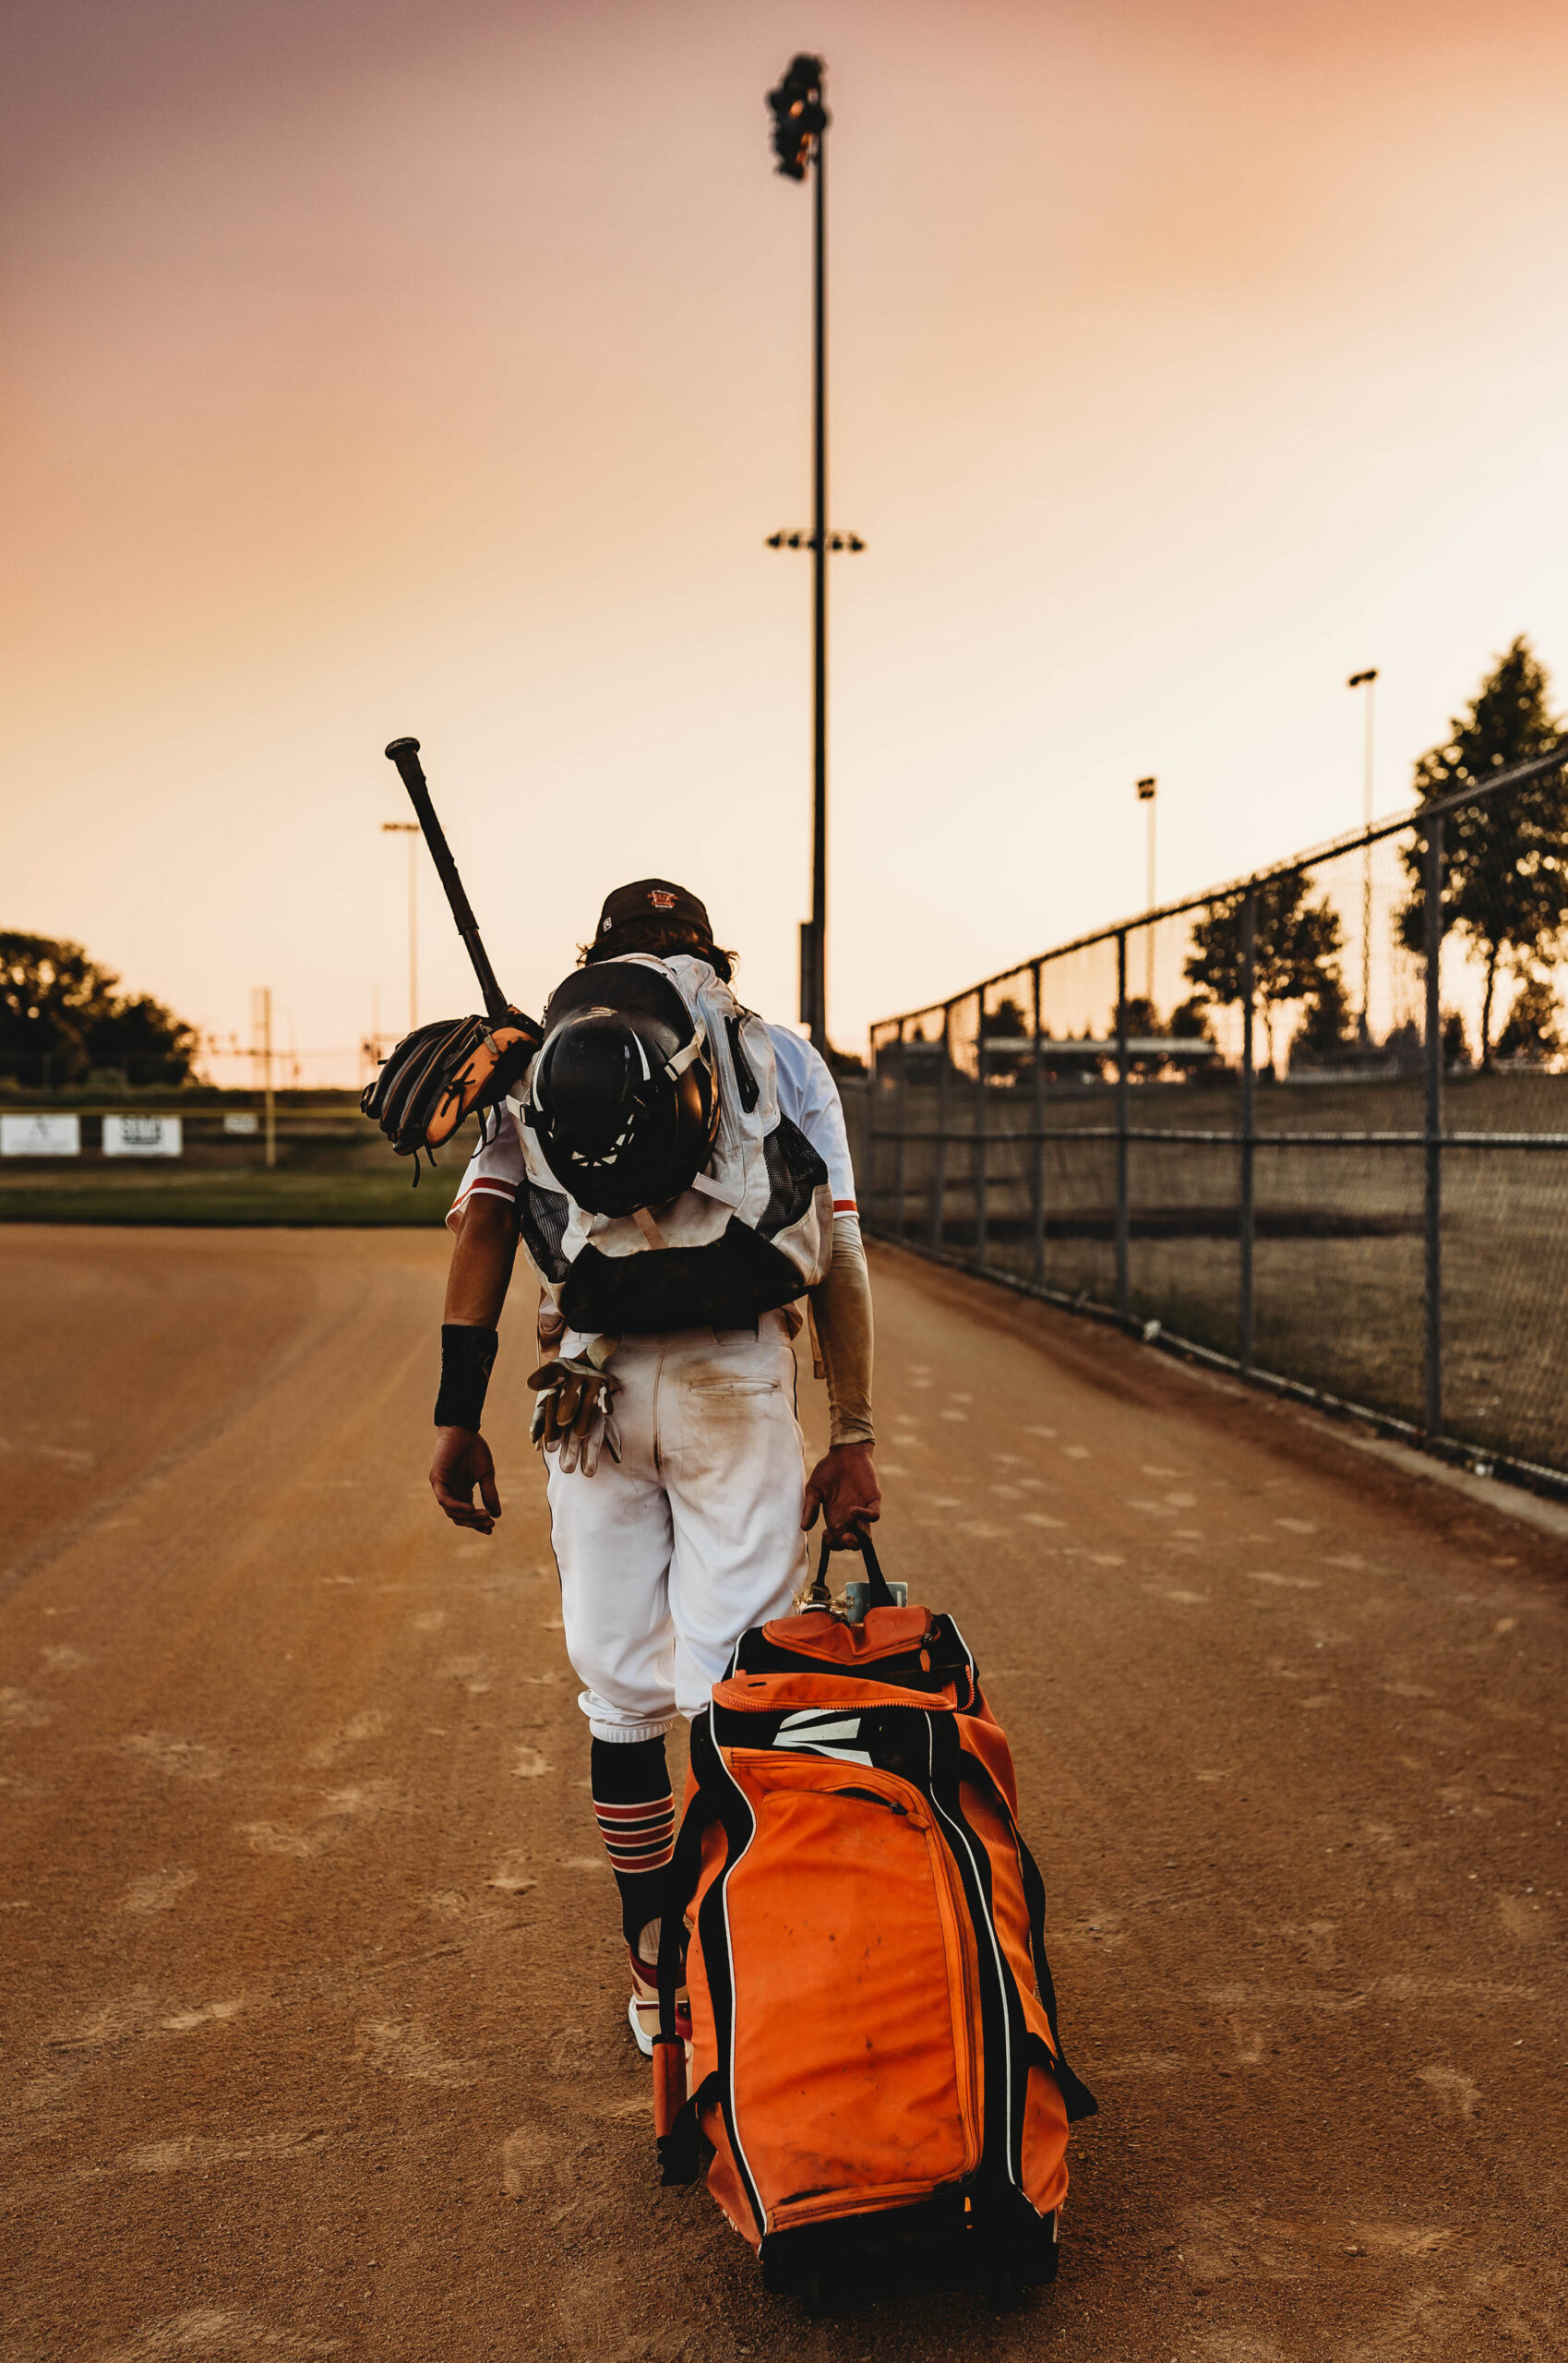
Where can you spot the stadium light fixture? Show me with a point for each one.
(800, 116)
(1146, 796)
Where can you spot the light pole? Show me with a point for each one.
(261, 1048)
(813, 974)
(410, 829)
(800, 121)
(1368, 682)
(1146, 796)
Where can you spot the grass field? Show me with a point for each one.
(300, 1197)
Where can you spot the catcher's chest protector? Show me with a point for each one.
(752, 1233)
(875, 2049)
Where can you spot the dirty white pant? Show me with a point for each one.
(667, 1555)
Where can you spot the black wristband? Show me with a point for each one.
(467, 1356)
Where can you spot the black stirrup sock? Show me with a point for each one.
(635, 1815)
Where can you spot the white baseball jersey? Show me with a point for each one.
(807, 1096)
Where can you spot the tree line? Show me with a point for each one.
(64, 1020)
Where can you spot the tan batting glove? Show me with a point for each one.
(572, 1413)
(551, 1328)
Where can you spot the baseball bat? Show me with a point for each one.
(404, 753)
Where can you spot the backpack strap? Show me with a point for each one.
(674, 2117)
(1079, 2099)
(880, 1595)
(686, 1869)
(680, 2150)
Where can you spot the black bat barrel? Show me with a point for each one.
(404, 753)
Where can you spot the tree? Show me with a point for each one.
(1006, 1024)
(1190, 1021)
(1532, 1031)
(1143, 1023)
(1504, 861)
(1293, 952)
(1326, 1021)
(57, 1004)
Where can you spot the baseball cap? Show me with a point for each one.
(652, 898)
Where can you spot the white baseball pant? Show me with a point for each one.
(667, 1555)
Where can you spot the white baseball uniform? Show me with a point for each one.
(667, 1556)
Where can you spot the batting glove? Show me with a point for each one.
(572, 1413)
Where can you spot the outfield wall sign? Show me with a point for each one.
(142, 1136)
(39, 1135)
(242, 1126)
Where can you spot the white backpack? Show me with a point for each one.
(754, 1231)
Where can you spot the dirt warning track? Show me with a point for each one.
(315, 2037)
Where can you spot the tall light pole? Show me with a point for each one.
(410, 829)
(1146, 796)
(800, 122)
(1368, 682)
(261, 1048)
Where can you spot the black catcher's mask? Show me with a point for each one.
(621, 1094)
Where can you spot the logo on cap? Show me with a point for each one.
(606, 924)
(660, 899)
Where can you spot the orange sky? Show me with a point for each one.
(402, 366)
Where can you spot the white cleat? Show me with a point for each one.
(642, 2011)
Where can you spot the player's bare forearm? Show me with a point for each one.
(482, 1262)
(476, 1290)
(844, 1487)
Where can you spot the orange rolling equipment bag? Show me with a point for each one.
(875, 2053)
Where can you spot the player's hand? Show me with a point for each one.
(462, 1460)
(844, 1487)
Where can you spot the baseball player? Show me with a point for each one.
(678, 1173)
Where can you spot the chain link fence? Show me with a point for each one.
(1309, 1126)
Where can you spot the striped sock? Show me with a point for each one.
(637, 1821)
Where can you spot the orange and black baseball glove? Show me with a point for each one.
(440, 1074)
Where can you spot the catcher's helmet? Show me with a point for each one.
(621, 1095)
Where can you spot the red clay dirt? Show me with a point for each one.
(315, 2038)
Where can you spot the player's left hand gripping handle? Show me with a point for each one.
(404, 753)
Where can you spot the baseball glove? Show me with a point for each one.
(441, 1073)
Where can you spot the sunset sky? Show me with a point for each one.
(439, 366)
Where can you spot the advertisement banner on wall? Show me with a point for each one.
(39, 1135)
(141, 1136)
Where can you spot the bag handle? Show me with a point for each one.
(880, 1595)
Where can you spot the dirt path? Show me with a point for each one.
(314, 2032)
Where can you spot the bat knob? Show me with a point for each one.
(402, 747)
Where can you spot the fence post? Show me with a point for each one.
(979, 1151)
(871, 1184)
(1122, 1292)
(939, 1156)
(1038, 1173)
(1432, 901)
(902, 1121)
(1249, 1133)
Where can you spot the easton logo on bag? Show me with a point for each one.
(876, 2054)
(752, 1233)
(816, 1727)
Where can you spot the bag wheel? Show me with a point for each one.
(1006, 2289)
